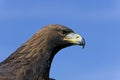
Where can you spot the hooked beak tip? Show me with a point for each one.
(83, 43)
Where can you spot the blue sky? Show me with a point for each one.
(98, 21)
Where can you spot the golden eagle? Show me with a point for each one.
(33, 59)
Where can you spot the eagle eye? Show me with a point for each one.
(63, 32)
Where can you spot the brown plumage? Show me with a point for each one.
(33, 59)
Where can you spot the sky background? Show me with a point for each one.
(98, 21)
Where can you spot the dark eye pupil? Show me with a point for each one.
(63, 32)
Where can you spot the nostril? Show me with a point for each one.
(77, 37)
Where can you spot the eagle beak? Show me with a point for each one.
(75, 39)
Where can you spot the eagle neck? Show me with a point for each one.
(32, 61)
